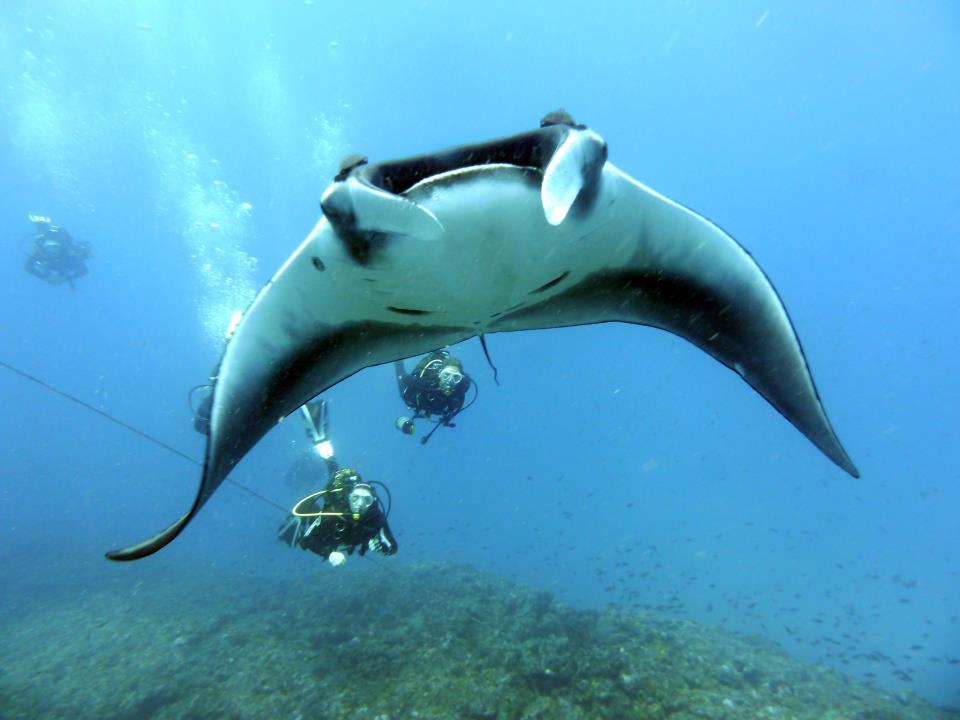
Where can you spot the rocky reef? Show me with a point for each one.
(386, 641)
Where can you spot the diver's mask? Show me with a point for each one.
(361, 498)
(449, 378)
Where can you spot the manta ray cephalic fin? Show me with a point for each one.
(574, 166)
(352, 205)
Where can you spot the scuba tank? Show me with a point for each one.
(404, 425)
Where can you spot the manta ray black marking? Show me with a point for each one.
(533, 231)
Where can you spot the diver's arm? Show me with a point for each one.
(427, 380)
(460, 397)
(325, 546)
(454, 405)
(456, 402)
(376, 533)
(384, 542)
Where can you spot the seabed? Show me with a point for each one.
(388, 642)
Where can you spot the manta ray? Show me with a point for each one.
(537, 230)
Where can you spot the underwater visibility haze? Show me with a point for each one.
(606, 522)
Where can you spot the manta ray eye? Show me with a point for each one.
(318, 263)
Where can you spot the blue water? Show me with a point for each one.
(190, 146)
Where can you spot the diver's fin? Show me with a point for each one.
(317, 420)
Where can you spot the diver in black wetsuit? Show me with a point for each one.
(53, 255)
(347, 515)
(435, 389)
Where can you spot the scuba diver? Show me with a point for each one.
(435, 390)
(347, 515)
(54, 256)
(201, 412)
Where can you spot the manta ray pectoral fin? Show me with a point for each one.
(575, 165)
(673, 269)
(352, 205)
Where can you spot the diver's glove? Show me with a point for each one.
(336, 558)
(382, 544)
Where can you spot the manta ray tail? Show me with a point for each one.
(151, 545)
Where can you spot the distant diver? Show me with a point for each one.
(435, 389)
(347, 516)
(53, 255)
(202, 410)
(536, 230)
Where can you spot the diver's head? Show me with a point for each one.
(361, 498)
(450, 376)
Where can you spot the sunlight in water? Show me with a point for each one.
(215, 224)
